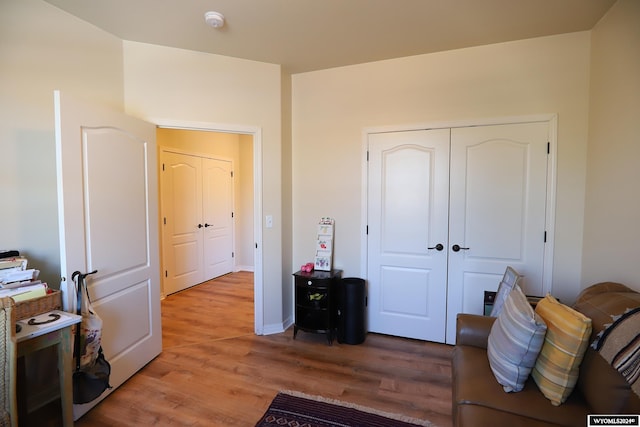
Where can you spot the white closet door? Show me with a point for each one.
(408, 199)
(481, 193)
(182, 236)
(497, 211)
(218, 217)
(197, 211)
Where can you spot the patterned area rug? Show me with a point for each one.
(293, 409)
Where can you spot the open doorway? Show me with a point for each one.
(206, 209)
(241, 147)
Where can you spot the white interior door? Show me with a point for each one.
(108, 216)
(218, 217)
(182, 239)
(407, 214)
(497, 211)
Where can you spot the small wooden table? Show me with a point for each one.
(35, 337)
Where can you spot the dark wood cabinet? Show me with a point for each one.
(316, 302)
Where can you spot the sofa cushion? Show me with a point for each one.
(504, 289)
(481, 416)
(473, 384)
(510, 278)
(567, 338)
(600, 302)
(597, 375)
(514, 342)
(473, 329)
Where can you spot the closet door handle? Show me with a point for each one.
(437, 247)
(199, 225)
(208, 225)
(456, 248)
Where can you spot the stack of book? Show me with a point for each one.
(16, 280)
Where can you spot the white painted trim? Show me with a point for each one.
(460, 123)
(66, 284)
(364, 217)
(206, 126)
(258, 288)
(550, 220)
(274, 328)
(256, 132)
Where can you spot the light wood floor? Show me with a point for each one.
(214, 371)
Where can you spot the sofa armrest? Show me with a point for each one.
(473, 329)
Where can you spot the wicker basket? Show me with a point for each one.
(35, 306)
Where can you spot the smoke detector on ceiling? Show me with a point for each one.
(214, 19)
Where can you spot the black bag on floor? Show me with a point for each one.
(91, 382)
(91, 377)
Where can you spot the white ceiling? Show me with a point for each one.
(307, 35)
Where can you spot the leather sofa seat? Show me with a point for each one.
(478, 399)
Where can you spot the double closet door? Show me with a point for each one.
(448, 210)
(197, 219)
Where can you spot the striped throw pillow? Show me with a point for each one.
(515, 341)
(568, 332)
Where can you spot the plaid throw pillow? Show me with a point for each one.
(568, 332)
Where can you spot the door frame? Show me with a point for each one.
(551, 119)
(256, 133)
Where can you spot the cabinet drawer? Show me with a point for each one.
(313, 282)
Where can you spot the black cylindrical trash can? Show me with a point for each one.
(352, 310)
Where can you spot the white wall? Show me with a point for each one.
(612, 230)
(171, 84)
(332, 107)
(42, 49)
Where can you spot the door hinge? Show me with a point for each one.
(367, 231)
(165, 220)
(231, 174)
(163, 167)
(231, 214)
(548, 147)
(545, 237)
(367, 155)
(233, 254)
(166, 274)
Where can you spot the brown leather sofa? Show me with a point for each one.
(478, 399)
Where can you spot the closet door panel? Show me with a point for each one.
(497, 211)
(218, 217)
(182, 214)
(407, 214)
